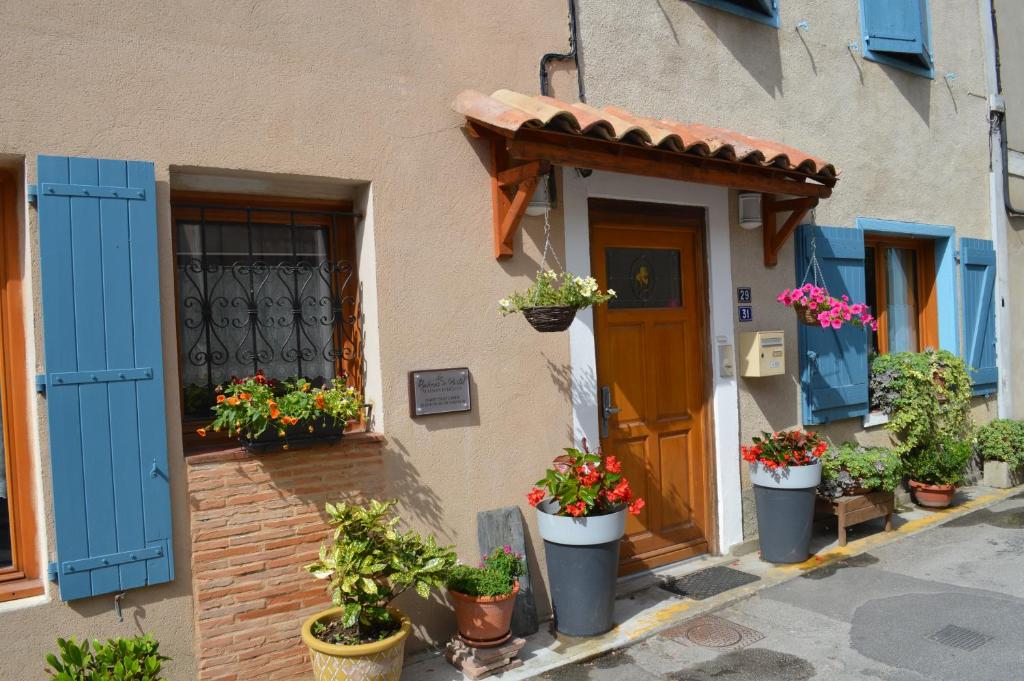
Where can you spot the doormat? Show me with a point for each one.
(708, 582)
(709, 631)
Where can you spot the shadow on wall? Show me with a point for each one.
(421, 505)
(755, 46)
(917, 90)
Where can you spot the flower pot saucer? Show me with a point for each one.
(484, 643)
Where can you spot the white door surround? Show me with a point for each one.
(577, 190)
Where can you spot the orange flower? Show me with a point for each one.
(274, 411)
(202, 432)
(233, 401)
(245, 396)
(220, 398)
(320, 401)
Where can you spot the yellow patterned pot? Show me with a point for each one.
(377, 661)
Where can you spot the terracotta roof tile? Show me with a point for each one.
(514, 111)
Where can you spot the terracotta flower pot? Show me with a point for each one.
(932, 496)
(378, 661)
(484, 621)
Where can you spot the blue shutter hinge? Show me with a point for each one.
(41, 384)
(32, 194)
(956, 255)
(51, 571)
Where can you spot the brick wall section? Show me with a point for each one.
(256, 522)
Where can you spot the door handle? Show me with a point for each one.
(607, 409)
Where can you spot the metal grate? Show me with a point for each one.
(709, 631)
(709, 582)
(959, 637)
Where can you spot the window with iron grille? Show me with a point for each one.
(263, 285)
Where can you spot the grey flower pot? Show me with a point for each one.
(582, 557)
(785, 510)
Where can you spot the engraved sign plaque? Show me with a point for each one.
(439, 391)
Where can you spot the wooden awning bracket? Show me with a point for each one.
(512, 187)
(775, 237)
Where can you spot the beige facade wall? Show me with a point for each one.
(348, 92)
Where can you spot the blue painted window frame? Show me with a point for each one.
(733, 8)
(945, 270)
(883, 57)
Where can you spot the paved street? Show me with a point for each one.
(946, 604)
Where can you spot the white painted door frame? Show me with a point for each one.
(577, 190)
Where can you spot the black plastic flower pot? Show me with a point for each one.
(785, 511)
(302, 435)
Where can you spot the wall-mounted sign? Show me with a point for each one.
(746, 313)
(743, 295)
(439, 391)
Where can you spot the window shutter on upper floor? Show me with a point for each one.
(762, 11)
(104, 374)
(978, 281)
(897, 29)
(833, 363)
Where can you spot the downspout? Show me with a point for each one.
(572, 54)
(1004, 143)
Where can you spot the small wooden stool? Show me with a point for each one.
(856, 509)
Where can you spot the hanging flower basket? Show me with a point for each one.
(551, 302)
(814, 306)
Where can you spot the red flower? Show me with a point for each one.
(612, 465)
(637, 506)
(587, 477)
(535, 496)
(577, 509)
(621, 492)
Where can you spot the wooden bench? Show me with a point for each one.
(857, 508)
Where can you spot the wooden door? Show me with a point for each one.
(652, 354)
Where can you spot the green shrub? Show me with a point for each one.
(495, 576)
(927, 396)
(1001, 440)
(121, 659)
(941, 462)
(850, 465)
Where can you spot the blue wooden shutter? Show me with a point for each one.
(899, 29)
(763, 11)
(978, 279)
(104, 374)
(833, 363)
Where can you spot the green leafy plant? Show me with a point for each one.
(547, 291)
(121, 659)
(1001, 440)
(849, 466)
(784, 448)
(941, 462)
(368, 564)
(585, 483)
(495, 576)
(251, 405)
(927, 396)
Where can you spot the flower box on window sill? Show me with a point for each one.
(302, 435)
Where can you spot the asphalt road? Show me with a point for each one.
(946, 604)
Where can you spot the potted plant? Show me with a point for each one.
(1000, 443)
(581, 505)
(367, 564)
(550, 305)
(935, 469)
(485, 596)
(814, 306)
(851, 469)
(266, 414)
(122, 659)
(785, 470)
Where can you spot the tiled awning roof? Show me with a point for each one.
(510, 111)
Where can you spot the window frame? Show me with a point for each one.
(884, 57)
(22, 579)
(734, 9)
(225, 207)
(927, 308)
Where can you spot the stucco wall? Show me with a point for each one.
(348, 91)
(908, 148)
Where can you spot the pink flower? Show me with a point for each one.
(836, 324)
(824, 322)
(856, 308)
(812, 305)
(784, 297)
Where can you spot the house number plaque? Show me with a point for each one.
(439, 391)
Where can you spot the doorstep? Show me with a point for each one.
(644, 609)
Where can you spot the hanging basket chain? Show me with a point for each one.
(813, 268)
(547, 249)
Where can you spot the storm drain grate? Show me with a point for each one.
(709, 631)
(959, 637)
(708, 582)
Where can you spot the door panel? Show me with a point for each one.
(652, 354)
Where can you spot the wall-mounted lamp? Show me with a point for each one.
(540, 203)
(750, 210)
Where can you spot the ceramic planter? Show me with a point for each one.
(377, 661)
(785, 510)
(582, 556)
(1001, 475)
(484, 621)
(932, 496)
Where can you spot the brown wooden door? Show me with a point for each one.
(651, 359)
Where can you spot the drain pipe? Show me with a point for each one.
(572, 54)
(1004, 144)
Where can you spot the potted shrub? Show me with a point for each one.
(550, 305)
(266, 415)
(485, 596)
(785, 471)
(122, 659)
(581, 505)
(1000, 444)
(368, 564)
(935, 469)
(851, 468)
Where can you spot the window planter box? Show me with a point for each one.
(299, 436)
(1001, 475)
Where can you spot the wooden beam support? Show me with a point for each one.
(773, 236)
(512, 187)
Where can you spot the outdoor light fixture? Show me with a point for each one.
(750, 210)
(540, 203)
